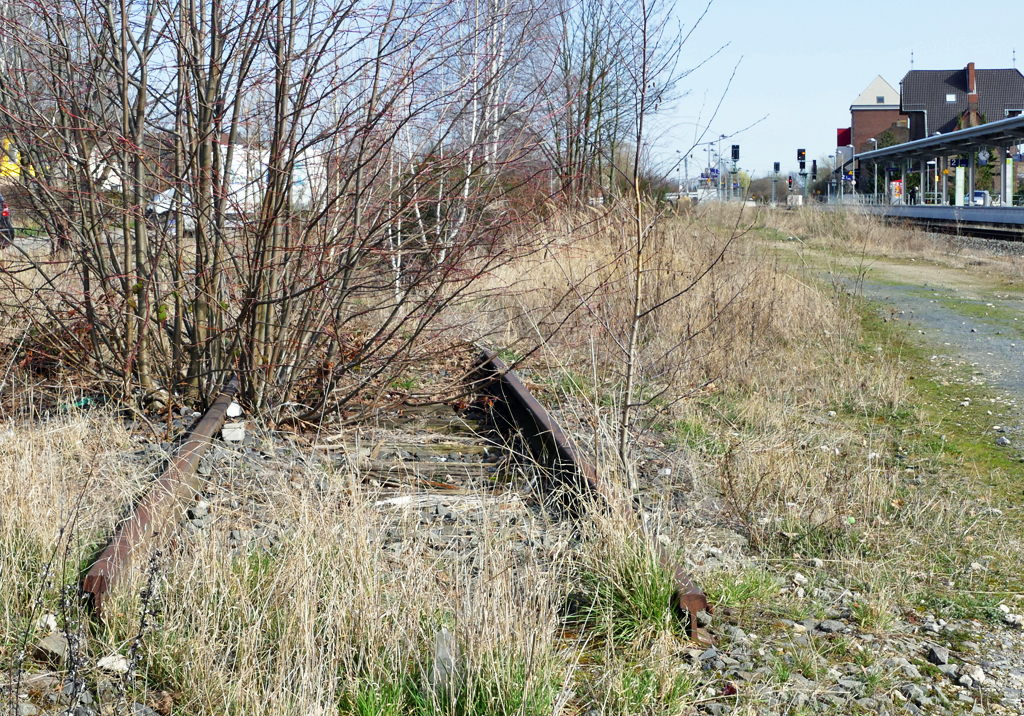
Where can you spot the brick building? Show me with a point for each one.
(875, 112)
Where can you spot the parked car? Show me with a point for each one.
(980, 198)
(6, 225)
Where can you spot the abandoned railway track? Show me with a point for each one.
(443, 463)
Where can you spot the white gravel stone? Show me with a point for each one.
(115, 663)
(233, 432)
(972, 671)
(48, 623)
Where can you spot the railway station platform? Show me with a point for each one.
(995, 222)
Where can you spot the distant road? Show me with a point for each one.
(30, 244)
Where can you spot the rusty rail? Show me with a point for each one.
(163, 506)
(516, 411)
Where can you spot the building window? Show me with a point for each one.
(1013, 112)
(951, 98)
(879, 100)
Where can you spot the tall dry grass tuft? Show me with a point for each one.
(715, 300)
(851, 230)
(331, 619)
(65, 483)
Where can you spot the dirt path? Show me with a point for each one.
(982, 322)
(973, 313)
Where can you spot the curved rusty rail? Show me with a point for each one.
(163, 506)
(516, 411)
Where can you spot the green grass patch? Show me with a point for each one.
(495, 686)
(625, 596)
(770, 234)
(948, 443)
(956, 434)
(695, 434)
(737, 589)
(649, 691)
(1001, 317)
(961, 605)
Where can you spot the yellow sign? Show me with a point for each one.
(946, 172)
(9, 167)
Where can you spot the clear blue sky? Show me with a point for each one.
(804, 63)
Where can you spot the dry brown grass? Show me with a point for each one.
(64, 484)
(778, 345)
(326, 619)
(717, 299)
(851, 233)
(332, 615)
(334, 618)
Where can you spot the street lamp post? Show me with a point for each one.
(707, 184)
(931, 181)
(832, 158)
(841, 161)
(875, 162)
(717, 177)
(721, 184)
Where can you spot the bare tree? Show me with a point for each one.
(335, 171)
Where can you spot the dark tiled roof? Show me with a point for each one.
(998, 91)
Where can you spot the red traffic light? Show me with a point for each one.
(791, 182)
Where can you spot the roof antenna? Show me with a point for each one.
(911, 60)
(1014, 58)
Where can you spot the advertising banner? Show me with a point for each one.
(896, 191)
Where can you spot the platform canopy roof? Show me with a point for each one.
(1004, 133)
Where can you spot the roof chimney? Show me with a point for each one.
(972, 117)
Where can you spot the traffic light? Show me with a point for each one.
(814, 169)
(776, 167)
(735, 152)
(801, 155)
(791, 182)
(803, 166)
